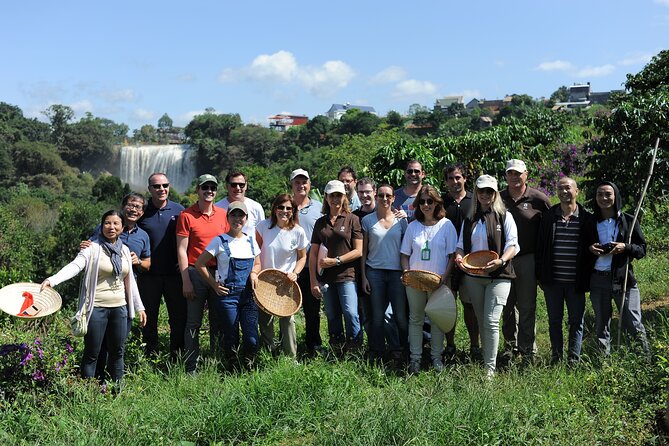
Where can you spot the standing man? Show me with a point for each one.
(526, 204)
(237, 185)
(196, 227)
(458, 202)
(563, 266)
(163, 278)
(348, 177)
(405, 196)
(309, 211)
(366, 191)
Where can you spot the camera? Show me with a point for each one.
(608, 247)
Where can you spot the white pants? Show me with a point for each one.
(417, 301)
(488, 297)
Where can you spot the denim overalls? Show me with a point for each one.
(238, 307)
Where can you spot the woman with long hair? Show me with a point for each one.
(427, 245)
(108, 295)
(488, 227)
(283, 245)
(338, 232)
(382, 272)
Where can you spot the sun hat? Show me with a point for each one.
(475, 262)
(441, 308)
(517, 165)
(297, 173)
(486, 181)
(335, 186)
(421, 280)
(238, 205)
(25, 300)
(206, 178)
(276, 294)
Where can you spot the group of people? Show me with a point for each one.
(350, 252)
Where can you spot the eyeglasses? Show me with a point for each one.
(208, 187)
(384, 196)
(239, 185)
(285, 208)
(158, 186)
(134, 206)
(366, 192)
(486, 191)
(413, 171)
(428, 201)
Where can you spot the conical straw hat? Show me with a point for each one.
(441, 309)
(25, 300)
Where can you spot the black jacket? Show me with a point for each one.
(543, 257)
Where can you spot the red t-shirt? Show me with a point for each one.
(201, 229)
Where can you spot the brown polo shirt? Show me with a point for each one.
(527, 215)
(338, 239)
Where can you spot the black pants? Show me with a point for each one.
(151, 288)
(312, 316)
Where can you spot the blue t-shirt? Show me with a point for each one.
(161, 225)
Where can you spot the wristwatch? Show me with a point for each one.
(338, 260)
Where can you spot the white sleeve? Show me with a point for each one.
(461, 243)
(511, 233)
(71, 269)
(407, 241)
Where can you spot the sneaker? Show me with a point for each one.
(414, 367)
(489, 374)
(437, 365)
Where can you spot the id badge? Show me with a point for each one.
(425, 254)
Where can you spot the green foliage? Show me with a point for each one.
(263, 185)
(560, 95)
(210, 134)
(59, 116)
(255, 144)
(165, 122)
(109, 190)
(355, 122)
(87, 144)
(389, 162)
(146, 134)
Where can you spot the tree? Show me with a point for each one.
(165, 122)
(59, 117)
(146, 134)
(415, 108)
(394, 120)
(560, 95)
(87, 144)
(210, 134)
(355, 122)
(256, 144)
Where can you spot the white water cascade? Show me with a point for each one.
(174, 160)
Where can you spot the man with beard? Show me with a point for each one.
(405, 196)
(237, 186)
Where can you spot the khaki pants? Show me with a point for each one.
(286, 329)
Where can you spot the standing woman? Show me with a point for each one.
(427, 245)
(488, 227)
(339, 232)
(382, 271)
(237, 268)
(108, 295)
(284, 247)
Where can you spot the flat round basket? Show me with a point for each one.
(475, 262)
(276, 294)
(25, 300)
(422, 280)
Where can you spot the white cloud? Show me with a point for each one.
(143, 114)
(468, 94)
(639, 59)
(124, 95)
(412, 88)
(556, 65)
(602, 70)
(389, 75)
(81, 107)
(662, 2)
(282, 67)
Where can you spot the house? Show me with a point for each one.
(580, 96)
(282, 121)
(445, 102)
(338, 110)
(472, 105)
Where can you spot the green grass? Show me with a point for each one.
(350, 402)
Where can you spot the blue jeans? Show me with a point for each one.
(601, 292)
(110, 324)
(386, 287)
(556, 296)
(234, 310)
(341, 299)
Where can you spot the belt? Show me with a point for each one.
(601, 273)
(234, 287)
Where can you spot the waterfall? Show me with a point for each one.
(174, 160)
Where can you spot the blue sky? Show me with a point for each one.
(132, 61)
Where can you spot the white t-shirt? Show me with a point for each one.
(280, 246)
(245, 247)
(429, 247)
(480, 235)
(256, 214)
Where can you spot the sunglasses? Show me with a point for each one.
(208, 187)
(285, 208)
(239, 185)
(428, 201)
(413, 171)
(158, 186)
(486, 191)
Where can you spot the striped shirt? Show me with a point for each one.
(565, 247)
